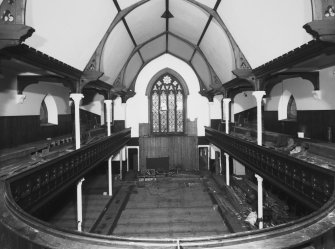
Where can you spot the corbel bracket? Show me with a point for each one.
(270, 82)
(25, 80)
(323, 30)
(87, 77)
(14, 34)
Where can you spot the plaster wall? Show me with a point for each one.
(302, 91)
(34, 95)
(96, 107)
(137, 107)
(243, 101)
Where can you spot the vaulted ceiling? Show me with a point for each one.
(120, 37)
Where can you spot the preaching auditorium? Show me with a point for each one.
(167, 124)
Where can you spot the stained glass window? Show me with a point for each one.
(167, 105)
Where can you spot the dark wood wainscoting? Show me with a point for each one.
(16, 130)
(181, 150)
(316, 124)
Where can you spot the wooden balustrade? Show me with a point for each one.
(310, 184)
(18, 229)
(35, 187)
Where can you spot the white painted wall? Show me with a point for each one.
(242, 102)
(137, 107)
(96, 107)
(302, 92)
(34, 93)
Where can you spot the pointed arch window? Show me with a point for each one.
(292, 109)
(167, 110)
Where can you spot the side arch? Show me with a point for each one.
(52, 111)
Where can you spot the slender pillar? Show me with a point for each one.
(108, 103)
(76, 99)
(121, 164)
(259, 96)
(108, 121)
(220, 161)
(138, 158)
(80, 204)
(260, 200)
(110, 177)
(227, 169)
(227, 115)
(127, 155)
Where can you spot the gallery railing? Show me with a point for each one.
(19, 229)
(310, 184)
(33, 188)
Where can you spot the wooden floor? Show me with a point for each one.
(170, 208)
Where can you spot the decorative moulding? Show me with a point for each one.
(316, 94)
(20, 98)
(14, 34)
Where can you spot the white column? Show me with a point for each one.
(76, 99)
(260, 200)
(259, 96)
(108, 123)
(110, 177)
(138, 158)
(80, 204)
(108, 103)
(227, 169)
(121, 164)
(210, 109)
(124, 113)
(220, 161)
(226, 102)
(127, 156)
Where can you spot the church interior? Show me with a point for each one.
(167, 124)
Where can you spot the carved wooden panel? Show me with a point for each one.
(310, 184)
(31, 189)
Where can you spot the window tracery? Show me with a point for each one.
(167, 106)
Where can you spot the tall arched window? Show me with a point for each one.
(291, 109)
(167, 105)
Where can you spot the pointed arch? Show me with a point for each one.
(167, 92)
(287, 109)
(166, 71)
(49, 111)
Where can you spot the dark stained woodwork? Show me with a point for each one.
(181, 150)
(314, 123)
(309, 184)
(316, 54)
(32, 189)
(36, 58)
(268, 83)
(16, 130)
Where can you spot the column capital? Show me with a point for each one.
(258, 95)
(108, 101)
(226, 154)
(76, 97)
(259, 178)
(226, 100)
(219, 97)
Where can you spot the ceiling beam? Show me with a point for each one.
(95, 61)
(127, 27)
(206, 27)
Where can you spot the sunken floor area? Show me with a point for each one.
(169, 206)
